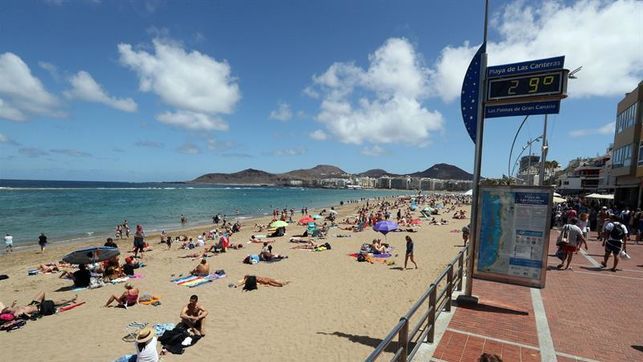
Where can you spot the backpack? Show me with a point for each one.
(251, 283)
(617, 232)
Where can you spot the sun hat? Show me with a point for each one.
(145, 335)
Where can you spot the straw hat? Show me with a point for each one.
(145, 335)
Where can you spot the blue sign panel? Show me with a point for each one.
(532, 66)
(522, 109)
(470, 92)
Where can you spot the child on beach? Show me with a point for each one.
(8, 243)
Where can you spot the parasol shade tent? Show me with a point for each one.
(558, 200)
(91, 255)
(306, 219)
(385, 226)
(278, 224)
(599, 196)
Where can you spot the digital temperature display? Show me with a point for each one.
(529, 85)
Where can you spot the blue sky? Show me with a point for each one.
(169, 90)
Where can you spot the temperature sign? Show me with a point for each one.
(547, 85)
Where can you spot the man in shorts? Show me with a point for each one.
(574, 240)
(193, 316)
(614, 240)
(8, 243)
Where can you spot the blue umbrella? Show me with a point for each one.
(91, 255)
(385, 226)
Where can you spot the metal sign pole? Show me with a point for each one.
(477, 163)
(543, 155)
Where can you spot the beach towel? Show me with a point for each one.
(192, 281)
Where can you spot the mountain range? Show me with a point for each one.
(442, 171)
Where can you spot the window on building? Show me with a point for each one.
(640, 161)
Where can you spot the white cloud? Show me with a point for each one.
(373, 151)
(219, 145)
(192, 120)
(198, 86)
(21, 94)
(189, 149)
(71, 152)
(602, 36)
(148, 144)
(85, 88)
(282, 113)
(6, 140)
(318, 135)
(606, 130)
(379, 104)
(51, 69)
(32, 152)
(297, 151)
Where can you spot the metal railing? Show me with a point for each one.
(439, 295)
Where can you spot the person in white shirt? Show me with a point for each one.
(8, 243)
(574, 236)
(146, 346)
(614, 240)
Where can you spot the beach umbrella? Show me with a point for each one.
(558, 200)
(278, 224)
(385, 226)
(91, 255)
(317, 216)
(306, 220)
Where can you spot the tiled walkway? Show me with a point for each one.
(592, 314)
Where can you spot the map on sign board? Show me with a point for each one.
(513, 234)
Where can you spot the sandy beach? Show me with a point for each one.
(334, 309)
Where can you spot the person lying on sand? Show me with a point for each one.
(255, 239)
(300, 240)
(193, 316)
(202, 254)
(39, 304)
(267, 255)
(127, 299)
(202, 269)
(263, 281)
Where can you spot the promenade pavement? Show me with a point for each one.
(587, 313)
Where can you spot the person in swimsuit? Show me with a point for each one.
(202, 269)
(193, 316)
(127, 299)
(409, 252)
(37, 305)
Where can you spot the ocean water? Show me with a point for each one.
(75, 210)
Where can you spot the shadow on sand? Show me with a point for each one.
(365, 340)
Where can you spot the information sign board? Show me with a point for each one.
(513, 234)
(530, 66)
(521, 109)
(528, 85)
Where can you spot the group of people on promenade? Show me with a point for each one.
(614, 227)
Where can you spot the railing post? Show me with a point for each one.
(431, 325)
(460, 267)
(404, 339)
(449, 295)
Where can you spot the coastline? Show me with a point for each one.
(332, 303)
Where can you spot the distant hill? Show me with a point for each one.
(319, 171)
(257, 177)
(444, 171)
(376, 172)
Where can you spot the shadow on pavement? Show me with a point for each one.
(488, 307)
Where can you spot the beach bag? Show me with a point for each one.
(47, 307)
(327, 246)
(561, 254)
(617, 232)
(251, 283)
(563, 238)
(624, 255)
(361, 257)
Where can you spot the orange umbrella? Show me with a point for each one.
(306, 219)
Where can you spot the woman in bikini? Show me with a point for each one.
(127, 299)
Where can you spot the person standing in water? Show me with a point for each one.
(42, 241)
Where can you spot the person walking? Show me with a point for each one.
(8, 243)
(614, 240)
(42, 241)
(409, 252)
(570, 239)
